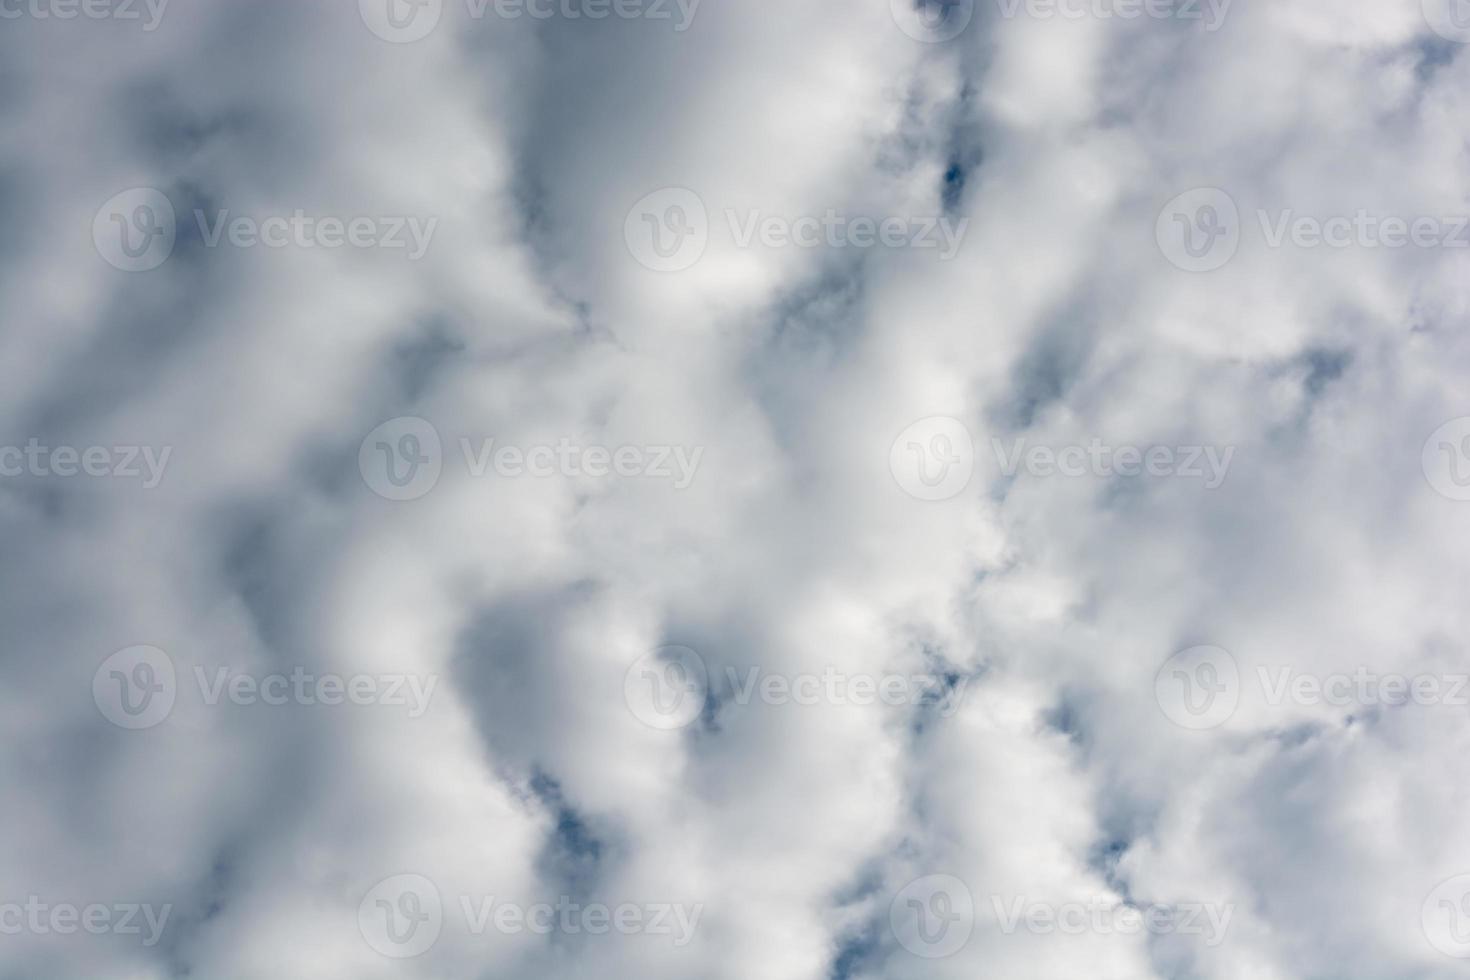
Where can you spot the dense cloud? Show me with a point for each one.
(673, 489)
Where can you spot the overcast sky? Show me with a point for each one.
(733, 490)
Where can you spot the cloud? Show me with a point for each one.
(338, 691)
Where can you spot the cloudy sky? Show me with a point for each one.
(727, 490)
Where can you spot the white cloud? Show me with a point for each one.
(1048, 604)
